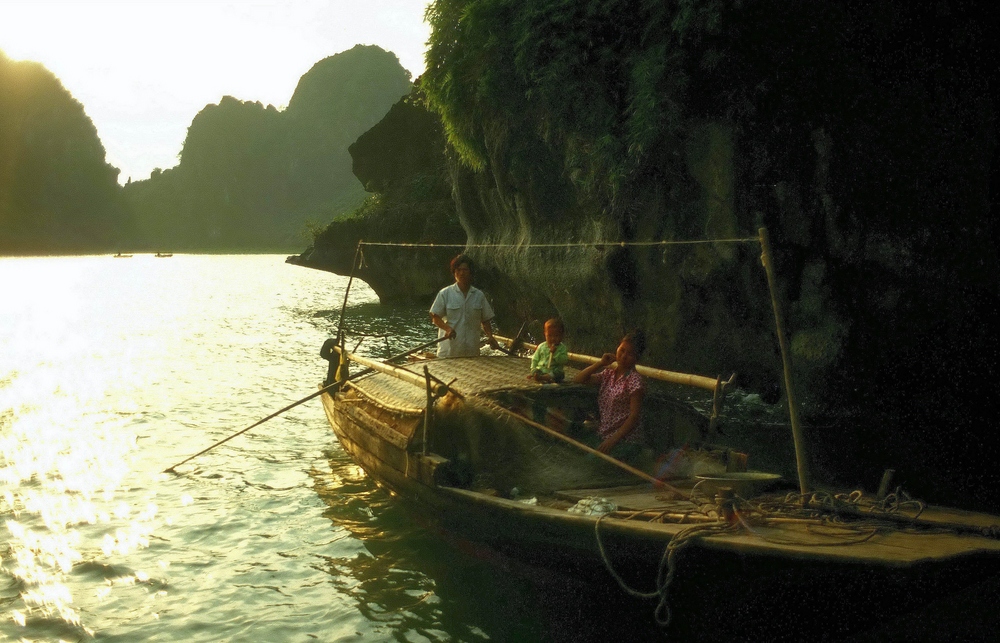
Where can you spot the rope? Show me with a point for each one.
(593, 244)
(668, 564)
(867, 532)
(350, 280)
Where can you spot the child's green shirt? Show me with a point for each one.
(550, 362)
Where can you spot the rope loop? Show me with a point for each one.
(667, 568)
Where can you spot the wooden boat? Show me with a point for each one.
(122, 256)
(495, 457)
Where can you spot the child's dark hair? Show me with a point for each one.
(459, 260)
(638, 340)
(556, 323)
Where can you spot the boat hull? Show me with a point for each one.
(731, 572)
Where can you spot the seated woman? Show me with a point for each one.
(619, 398)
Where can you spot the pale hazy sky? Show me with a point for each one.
(143, 68)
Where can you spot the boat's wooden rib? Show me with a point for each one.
(381, 430)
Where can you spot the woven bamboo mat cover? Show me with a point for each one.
(471, 375)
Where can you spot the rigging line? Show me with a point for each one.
(595, 244)
(354, 264)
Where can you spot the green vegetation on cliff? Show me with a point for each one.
(252, 177)
(862, 134)
(57, 193)
(597, 86)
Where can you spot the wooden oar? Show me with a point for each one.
(618, 463)
(294, 404)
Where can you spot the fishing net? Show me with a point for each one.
(502, 453)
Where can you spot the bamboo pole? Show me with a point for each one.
(327, 352)
(393, 371)
(686, 379)
(429, 410)
(801, 455)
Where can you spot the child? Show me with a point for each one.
(551, 355)
(619, 398)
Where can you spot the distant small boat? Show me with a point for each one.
(164, 254)
(121, 256)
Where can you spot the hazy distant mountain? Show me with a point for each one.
(57, 193)
(251, 177)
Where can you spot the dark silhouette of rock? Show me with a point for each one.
(58, 195)
(252, 177)
(401, 161)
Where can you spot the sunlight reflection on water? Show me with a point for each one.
(110, 371)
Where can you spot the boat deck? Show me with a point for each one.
(939, 533)
(762, 524)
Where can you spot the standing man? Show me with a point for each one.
(459, 311)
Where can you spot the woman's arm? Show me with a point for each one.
(634, 411)
(586, 376)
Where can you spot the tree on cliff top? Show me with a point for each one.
(610, 89)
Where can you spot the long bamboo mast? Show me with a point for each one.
(801, 455)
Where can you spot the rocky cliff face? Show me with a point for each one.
(401, 162)
(861, 135)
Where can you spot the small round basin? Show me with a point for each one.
(744, 483)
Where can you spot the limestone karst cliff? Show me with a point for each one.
(401, 162)
(861, 135)
(253, 177)
(58, 194)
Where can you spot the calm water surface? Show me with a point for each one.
(112, 370)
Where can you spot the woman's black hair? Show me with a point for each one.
(459, 260)
(638, 340)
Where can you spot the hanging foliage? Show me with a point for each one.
(600, 82)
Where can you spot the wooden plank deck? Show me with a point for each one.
(865, 539)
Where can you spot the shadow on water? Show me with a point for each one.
(412, 576)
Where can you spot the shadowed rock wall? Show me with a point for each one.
(861, 135)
